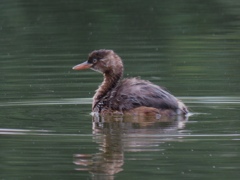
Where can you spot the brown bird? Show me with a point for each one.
(130, 95)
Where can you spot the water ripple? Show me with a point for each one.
(194, 100)
(49, 102)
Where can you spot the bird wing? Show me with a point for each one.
(134, 92)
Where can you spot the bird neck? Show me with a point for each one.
(109, 83)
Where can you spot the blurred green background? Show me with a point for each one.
(192, 47)
(189, 46)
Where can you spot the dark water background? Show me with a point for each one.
(192, 47)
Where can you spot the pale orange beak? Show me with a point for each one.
(84, 65)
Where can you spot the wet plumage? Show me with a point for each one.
(130, 95)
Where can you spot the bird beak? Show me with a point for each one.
(84, 65)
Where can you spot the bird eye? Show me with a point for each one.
(94, 61)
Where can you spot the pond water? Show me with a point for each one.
(47, 131)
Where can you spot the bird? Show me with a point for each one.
(118, 95)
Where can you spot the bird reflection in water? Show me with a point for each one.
(116, 135)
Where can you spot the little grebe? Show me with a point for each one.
(131, 95)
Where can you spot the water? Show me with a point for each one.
(46, 130)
